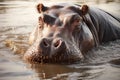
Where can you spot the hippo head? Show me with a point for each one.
(62, 34)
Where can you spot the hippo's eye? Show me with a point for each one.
(77, 20)
(41, 22)
(40, 27)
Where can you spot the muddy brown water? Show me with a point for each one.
(18, 18)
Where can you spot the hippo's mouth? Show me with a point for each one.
(61, 57)
(64, 52)
(54, 59)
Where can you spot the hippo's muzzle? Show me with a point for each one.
(50, 47)
(51, 51)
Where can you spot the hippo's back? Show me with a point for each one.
(107, 25)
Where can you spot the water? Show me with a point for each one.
(18, 18)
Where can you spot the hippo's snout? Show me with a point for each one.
(46, 50)
(51, 47)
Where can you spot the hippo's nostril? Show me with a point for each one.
(45, 43)
(57, 43)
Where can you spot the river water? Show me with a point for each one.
(19, 17)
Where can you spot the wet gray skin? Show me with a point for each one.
(66, 32)
(62, 35)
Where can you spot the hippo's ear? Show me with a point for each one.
(84, 9)
(41, 8)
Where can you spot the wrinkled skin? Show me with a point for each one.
(66, 32)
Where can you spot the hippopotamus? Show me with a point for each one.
(66, 32)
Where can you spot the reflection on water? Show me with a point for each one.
(18, 18)
(61, 72)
